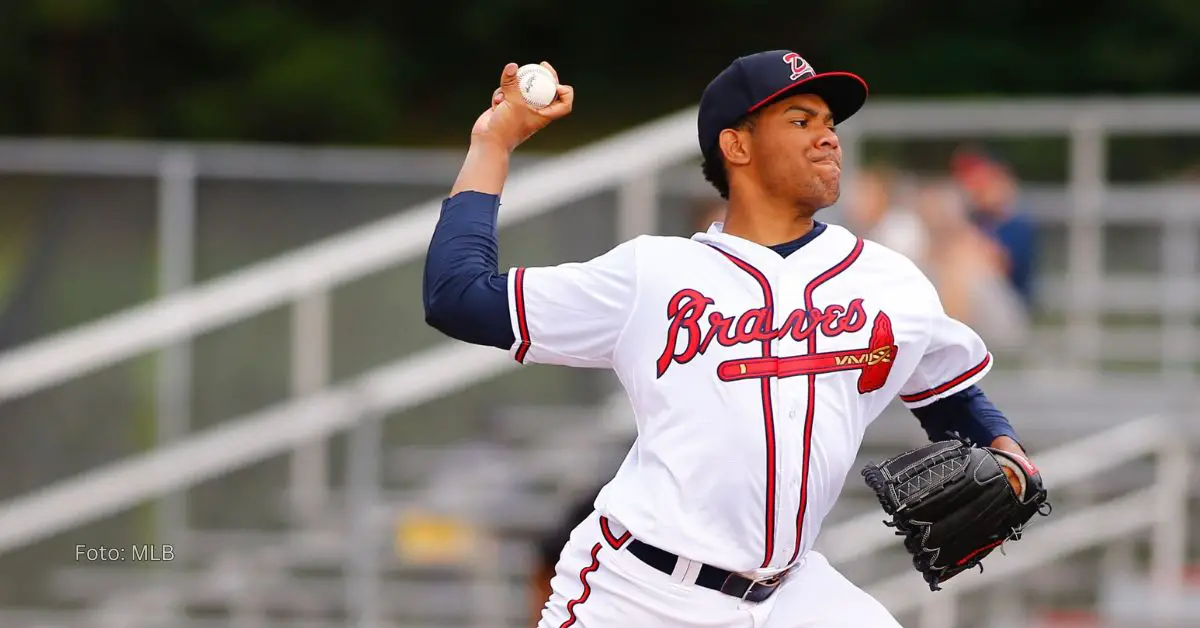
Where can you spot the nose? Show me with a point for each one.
(829, 140)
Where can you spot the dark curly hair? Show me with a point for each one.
(714, 163)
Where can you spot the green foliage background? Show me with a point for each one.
(386, 72)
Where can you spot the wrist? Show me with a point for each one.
(491, 147)
(1006, 443)
(485, 167)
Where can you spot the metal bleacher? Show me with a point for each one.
(437, 534)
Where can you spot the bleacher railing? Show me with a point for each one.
(631, 162)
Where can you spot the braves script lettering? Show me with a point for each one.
(688, 308)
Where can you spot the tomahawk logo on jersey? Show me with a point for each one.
(687, 311)
(805, 352)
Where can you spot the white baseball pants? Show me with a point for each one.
(597, 584)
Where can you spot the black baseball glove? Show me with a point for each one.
(954, 505)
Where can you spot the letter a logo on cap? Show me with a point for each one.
(800, 67)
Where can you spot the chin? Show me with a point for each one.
(830, 197)
(831, 189)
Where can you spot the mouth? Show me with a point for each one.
(829, 163)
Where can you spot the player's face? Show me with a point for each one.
(797, 152)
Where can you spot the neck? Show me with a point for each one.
(767, 221)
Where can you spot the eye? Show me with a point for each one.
(801, 123)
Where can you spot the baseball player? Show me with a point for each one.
(754, 355)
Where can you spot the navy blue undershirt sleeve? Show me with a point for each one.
(969, 413)
(465, 295)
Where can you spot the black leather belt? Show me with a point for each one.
(715, 578)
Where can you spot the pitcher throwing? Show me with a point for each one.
(755, 356)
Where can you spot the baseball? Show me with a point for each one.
(538, 86)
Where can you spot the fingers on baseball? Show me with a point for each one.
(563, 102)
(510, 87)
(553, 72)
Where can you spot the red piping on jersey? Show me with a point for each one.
(587, 588)
(522, 323)
(614, 542)
(921, 396)
(768, 411)
(812, 389)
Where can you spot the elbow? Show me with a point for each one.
(440, 311)
(469, 308)
(435, 300)
(432, 315)
(449, 308)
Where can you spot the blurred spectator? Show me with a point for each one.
(996, 208)
(878, 213)
(964, 263)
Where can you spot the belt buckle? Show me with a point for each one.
(757, 584)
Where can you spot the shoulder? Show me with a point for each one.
(639, 255)
(664, 241)
(653, 249)
(882, 254)
(882, 258)
(894, 270)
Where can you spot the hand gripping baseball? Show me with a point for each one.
(510, 120)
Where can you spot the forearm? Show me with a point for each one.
(970, 414)
(484, 170)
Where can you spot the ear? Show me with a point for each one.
(735, 144)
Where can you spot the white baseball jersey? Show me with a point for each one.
(752, 376)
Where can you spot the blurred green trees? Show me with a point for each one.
(387, 72)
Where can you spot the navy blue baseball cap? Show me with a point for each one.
(755, 81)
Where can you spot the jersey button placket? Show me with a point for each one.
(785, 434)
(793, 393)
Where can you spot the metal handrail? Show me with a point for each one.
(241, 442)
(321, 266)
(533, 191)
